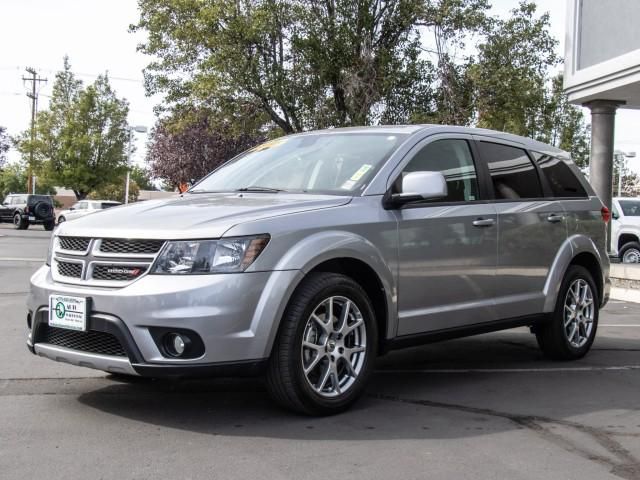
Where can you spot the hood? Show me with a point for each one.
(194, 215)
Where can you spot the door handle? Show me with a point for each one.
(484, 222)
(554, 218)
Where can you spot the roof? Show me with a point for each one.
(434, 128)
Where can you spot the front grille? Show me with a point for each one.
(117, 272)
(124, 246)
(91, 341)
(69, 269)
(78, 244)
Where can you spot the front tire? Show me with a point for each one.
(572, 329)
(61, 220)
(326, 346)
(630, 253)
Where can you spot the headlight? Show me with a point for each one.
(50, 251)
(227, 255)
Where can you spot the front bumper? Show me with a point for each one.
(235, 315)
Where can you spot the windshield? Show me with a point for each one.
(630, 208)
(335, 163)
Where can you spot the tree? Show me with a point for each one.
(5, 144)
(81, 140)
(303, 63)
(511, 75)
(115, 191)
(142, 177)
(184, 151)
(13, 179)
(451, 22)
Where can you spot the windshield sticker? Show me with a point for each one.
(348, 185)
(270, 144)
(360, 173)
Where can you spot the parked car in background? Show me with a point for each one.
(24, 209)
(308, 256)
(625, 229)
(85, 207)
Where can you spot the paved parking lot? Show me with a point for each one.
(488, 407)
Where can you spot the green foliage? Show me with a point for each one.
(81, 140)
(5, 144)
(115, 191)
(302, 64)
(13, 179)
(142, 178)
(282, 66)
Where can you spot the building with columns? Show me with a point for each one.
(602, 72)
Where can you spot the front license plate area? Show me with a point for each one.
(68, 312)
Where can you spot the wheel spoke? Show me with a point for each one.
(329, 314)
(326, 327)
(349, 366)
(312, 346)
(350, 328)
(344, 316)
(350, 351)
(574, 329)
(325, 377)
(313, 363)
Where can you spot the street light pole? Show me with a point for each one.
(139, 129)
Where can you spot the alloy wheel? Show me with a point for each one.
(632, 255)
(579, 312)
(334, 345)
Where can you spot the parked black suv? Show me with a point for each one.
(24, 210)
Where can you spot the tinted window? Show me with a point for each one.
(630, 208)
(452, 158)
(513, 175)
(104, 205)
(561, 178)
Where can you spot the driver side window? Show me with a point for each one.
(453, 158)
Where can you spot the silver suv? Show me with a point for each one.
(308, 256)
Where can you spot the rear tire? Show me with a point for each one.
(325, 348)
(572, 329)
(630, 253)
(49, 225)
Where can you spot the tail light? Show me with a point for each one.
(26, 209)
(606, 214)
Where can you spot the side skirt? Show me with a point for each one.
(465, 331)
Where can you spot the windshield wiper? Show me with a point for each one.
(257, 188)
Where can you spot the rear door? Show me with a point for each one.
(531, 225)
(447, 248)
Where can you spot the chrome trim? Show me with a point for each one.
(106, 363)
(93, 256)
(75, 253)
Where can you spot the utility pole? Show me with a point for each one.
(33, 95)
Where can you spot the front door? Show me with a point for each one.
(447, 247)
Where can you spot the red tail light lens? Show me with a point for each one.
(26, 209)
(606, 214)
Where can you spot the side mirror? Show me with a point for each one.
(72, 208)
(615, 216)
(417, 186)
(5, 204)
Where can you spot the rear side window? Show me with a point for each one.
(104, 205)
(40, 198)
(513, 175)
(630, 208)
(561, 178)
(453, 158)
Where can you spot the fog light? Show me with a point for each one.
(176, 344)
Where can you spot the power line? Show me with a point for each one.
(33, 95)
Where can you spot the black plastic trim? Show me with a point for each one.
(194, 349)
(464, 331)
(248, 368)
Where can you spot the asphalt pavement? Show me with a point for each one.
(486, 407)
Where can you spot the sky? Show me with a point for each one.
(94, 34)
